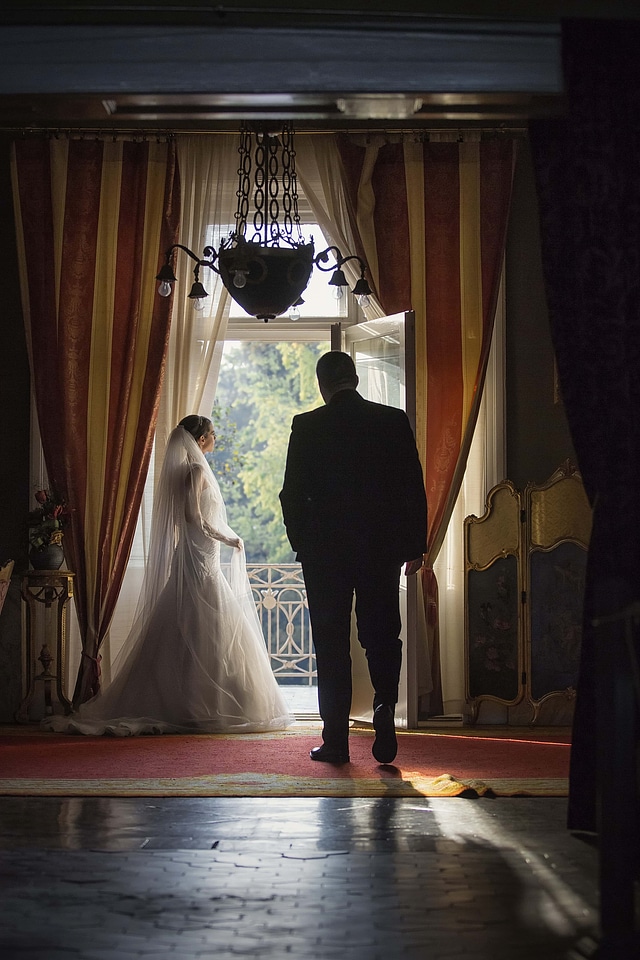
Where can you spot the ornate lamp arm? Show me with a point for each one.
(323, 257)
(167, 276)
(353, 256)
(362, 290)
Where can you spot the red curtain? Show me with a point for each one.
(431, 219)
(93, 219)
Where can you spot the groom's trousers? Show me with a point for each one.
(331, 585)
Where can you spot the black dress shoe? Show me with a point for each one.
(328, 755)
(385, 745)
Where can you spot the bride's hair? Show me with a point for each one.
(195, 425)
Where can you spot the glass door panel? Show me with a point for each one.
(383, 352)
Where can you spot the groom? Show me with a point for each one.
(354, 506)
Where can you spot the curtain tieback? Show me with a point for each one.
(88, 656)
(95, 661)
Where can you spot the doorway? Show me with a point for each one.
(263, 383)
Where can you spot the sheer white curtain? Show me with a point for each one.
(208, 167)
(486, 466)
(317, 159)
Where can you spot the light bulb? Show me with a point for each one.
(240, 278)
(165, 289)
(294, 314)
(198, 304)
(364, 301)
(338, 293)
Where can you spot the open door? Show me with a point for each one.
(384, 354)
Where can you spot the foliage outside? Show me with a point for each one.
(261, 387)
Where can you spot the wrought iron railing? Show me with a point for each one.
(281, 601)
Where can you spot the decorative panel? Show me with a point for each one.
(555, 618)
(559, 510)
(493, 633)
(525, 567)
(497, 532)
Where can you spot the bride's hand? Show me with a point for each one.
(237, 544)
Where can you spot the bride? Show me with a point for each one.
(195, 660)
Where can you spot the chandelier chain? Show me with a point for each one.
(290, 184)
(244, 182)
(273, 187)
(267, 183)
(259, 180)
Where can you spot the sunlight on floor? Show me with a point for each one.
(555, 905)
(302, 701)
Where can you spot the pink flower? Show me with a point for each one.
(41, 496)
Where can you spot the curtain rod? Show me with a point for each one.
(86, 133)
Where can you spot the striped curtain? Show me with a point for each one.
(93, 218)
(431, 221)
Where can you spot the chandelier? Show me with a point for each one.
(266, 263)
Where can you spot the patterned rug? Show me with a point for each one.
(429, 764)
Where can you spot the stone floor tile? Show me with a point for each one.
(317, 878)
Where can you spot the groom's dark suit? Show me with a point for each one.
(354, 507)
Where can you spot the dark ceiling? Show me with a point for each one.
(323, 69)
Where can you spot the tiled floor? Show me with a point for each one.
(354, 879)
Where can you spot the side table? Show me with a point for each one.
(46, 594)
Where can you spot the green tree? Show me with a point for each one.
(261, 387)
(228, 458)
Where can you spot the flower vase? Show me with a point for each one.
(49, 557)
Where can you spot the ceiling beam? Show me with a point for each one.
(441, 58)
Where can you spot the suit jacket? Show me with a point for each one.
(353, 483)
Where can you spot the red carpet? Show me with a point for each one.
(41, 763)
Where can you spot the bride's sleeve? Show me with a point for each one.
(194, 487)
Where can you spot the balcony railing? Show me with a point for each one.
(281, 601)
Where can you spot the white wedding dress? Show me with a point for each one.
(195, 660)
